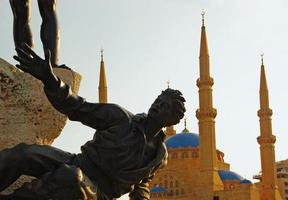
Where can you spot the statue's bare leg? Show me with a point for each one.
(50, 34)
(33, 160)
(21, 25)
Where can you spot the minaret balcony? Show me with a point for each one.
(267, 112)
(206, 82)
(204, 114)
(266, 140)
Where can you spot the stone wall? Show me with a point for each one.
(25, 113)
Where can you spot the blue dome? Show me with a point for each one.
(245, 181)
(226, 175)
(158, 189)
(183, 140)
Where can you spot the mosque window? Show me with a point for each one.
(185, 155)
(174, 155)
(165, 183)
(176, 183)
(279, 169)
(286, 184)
(171, 184)
(286, 191)
(216, 198)
(194, 154)
(177, 192)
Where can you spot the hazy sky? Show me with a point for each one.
(148, 42)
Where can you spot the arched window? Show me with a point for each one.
(171, 184)
(176, 183)
(177, 192)
(185, 155)
(174, 155)
(194, 154)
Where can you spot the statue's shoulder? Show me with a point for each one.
(139, 117)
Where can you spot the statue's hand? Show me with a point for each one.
(31, 63)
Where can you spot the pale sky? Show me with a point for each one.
(146, 43)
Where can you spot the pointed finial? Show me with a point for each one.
(102, 51)
(185, 122)
(203, 17)
(262, 58)
(185, 130)
(168, 84)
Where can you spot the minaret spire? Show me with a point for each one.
(264, 99)
(203, 17)
(204, 52)
(269, 189)
(102, 88)
(206, 115)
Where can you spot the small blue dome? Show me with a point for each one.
(226, 175)
(245, 181)
(158, 189)
(183, 140)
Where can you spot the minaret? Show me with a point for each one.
(269, 189)
(170, 131)
(102, 88)
(210, 180)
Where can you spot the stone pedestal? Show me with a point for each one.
(25, 113)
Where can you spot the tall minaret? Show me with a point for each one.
(269, 189)
(102, 88)
(206, 115)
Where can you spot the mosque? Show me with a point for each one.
(196, 169)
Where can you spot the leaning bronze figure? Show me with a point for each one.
(122, 157)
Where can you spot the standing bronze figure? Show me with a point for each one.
(50, 34)
(123, 155)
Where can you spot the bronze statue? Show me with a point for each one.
(126, 149)
(50, 34)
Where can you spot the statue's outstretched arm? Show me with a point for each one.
(94, 115)
(41, 69)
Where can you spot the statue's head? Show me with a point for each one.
(168, 109)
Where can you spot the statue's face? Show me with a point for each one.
(167, 111)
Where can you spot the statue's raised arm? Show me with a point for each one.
(41, 69)
(94, 115)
